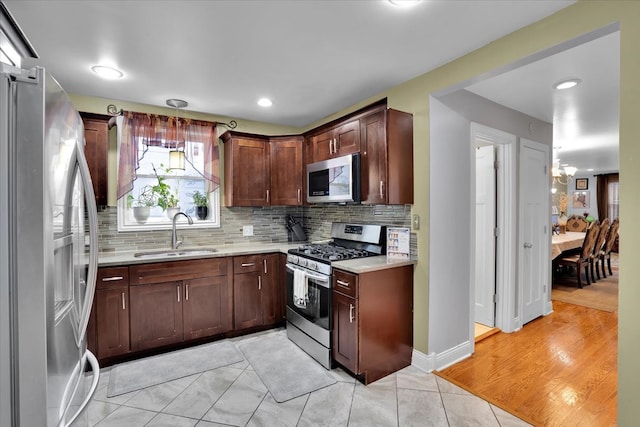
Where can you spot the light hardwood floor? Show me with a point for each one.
(559, 370)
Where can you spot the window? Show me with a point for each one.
(613, 204)
(158, 192)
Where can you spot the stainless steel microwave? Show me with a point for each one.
(335, 180)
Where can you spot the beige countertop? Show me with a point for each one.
(374, 263)
(107, 259)
(360, 265)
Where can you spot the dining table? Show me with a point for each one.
(565, 242)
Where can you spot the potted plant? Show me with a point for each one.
(201, 202)
(142, 205)
(165, 198)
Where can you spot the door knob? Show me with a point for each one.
(528, 245)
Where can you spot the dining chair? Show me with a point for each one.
(605, 253)
(583, 259)
(597, 248)
(577, 223)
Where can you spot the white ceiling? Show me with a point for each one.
(313, 58)
(585, 118)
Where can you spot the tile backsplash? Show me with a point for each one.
(268, 226)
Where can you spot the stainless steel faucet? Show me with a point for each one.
(174, 237)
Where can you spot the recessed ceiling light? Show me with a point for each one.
(566, 84)
(590, 170)
(265, 102)
(404, 3)
(107, 72)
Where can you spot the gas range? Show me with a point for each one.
(350, 241)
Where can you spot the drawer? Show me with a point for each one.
(160, 272)
(112, 277)
(248, 264)
(345, 283)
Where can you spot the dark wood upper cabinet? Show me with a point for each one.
(96, 150)
(336, 141)
(246, 170)
(286, 171)
(387, 157)
(262, 171)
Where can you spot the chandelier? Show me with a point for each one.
(564, 176)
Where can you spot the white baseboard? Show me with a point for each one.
(432, 361)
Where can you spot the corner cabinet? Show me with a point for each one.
(256, 290)
(372, 332)
(179, 301)
(262, 171)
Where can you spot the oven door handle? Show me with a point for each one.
(322, 280)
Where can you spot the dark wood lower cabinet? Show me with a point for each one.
(256, 291)
(112, 320)
(207, 306)
(156, 315)
(111, 313)
(373, 321)
(345, 331)
(147, 306)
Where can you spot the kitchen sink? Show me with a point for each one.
(174, 253)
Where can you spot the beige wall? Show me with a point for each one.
(569, 23)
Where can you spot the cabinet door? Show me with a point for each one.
(347, 138)
(207, 306)
(345, 331)
(374, 159)
(286, 172)
(247, 309)
(270, 290)
(156, 315)
(251, 178)
(112, 321)
(321, 146)
(96, 135)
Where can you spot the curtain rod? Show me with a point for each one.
(113, 111)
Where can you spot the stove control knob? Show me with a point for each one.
(312, 265)
(293, 259)
(302, 262)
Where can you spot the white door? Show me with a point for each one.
(485, 264)
(534, 219)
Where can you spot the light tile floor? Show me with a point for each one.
(234, 395)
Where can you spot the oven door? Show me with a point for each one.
(317, 311)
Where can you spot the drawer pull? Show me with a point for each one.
(248, 264)
(351, 314)
(112, 279)
(124, 307)
(343, 283)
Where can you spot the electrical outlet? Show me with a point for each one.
(247, 230)
(416, 222)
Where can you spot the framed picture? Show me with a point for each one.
(581, 200)
(582, 183)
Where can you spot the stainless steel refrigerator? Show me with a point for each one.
(48, 254)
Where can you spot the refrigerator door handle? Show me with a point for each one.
(95, 368)
(92, 213)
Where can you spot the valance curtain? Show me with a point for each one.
(164, 131)
(602, 188)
